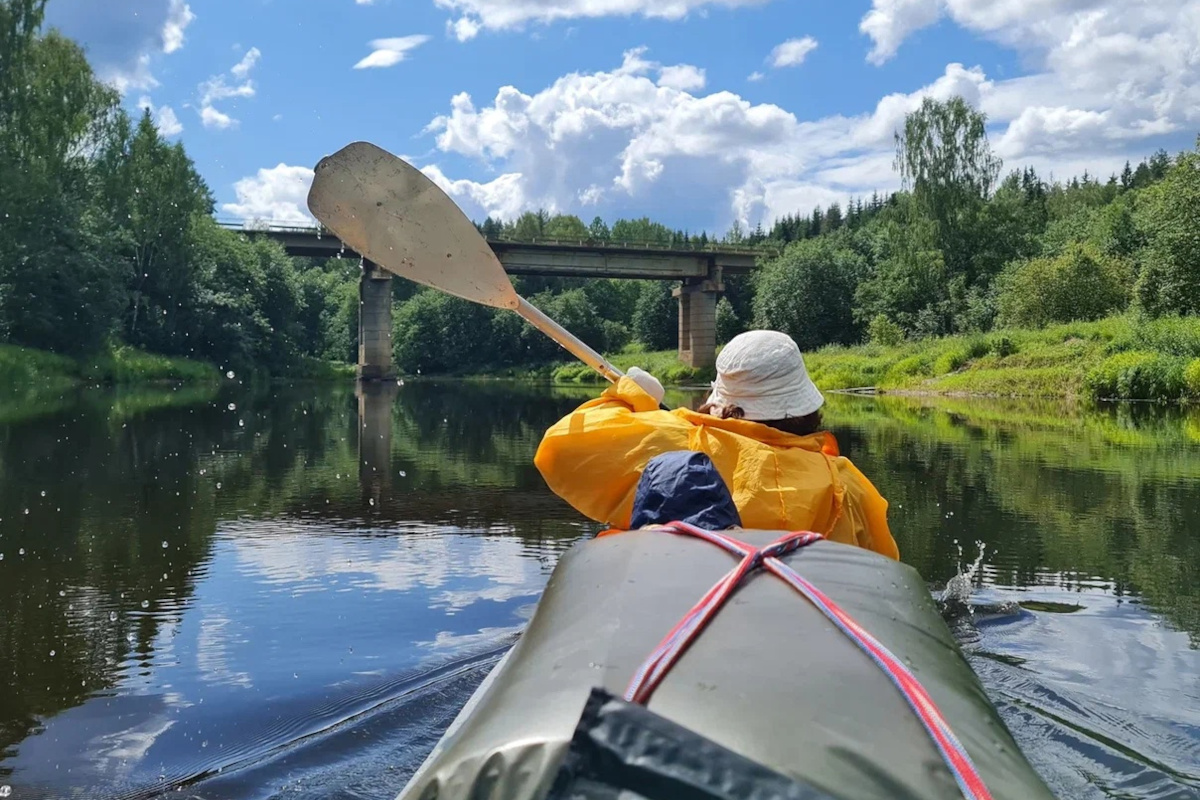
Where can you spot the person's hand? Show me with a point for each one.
(648, 382)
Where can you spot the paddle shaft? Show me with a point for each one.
(568, 340)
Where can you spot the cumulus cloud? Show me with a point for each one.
(476, 15)
(644, 138)
(792, 52)
(164, 117)
(684, 77)
(123, 38)
(217, 89)
(275, 194)
(389, 52)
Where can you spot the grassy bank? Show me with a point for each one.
(664, 365)
(126, 366)
(1115, 358)
(26, 367)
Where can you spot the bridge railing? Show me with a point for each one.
(316, 229)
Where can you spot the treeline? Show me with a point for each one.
(107, 235)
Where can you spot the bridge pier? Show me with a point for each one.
(698, 318)
(375, 362)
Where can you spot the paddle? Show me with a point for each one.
(389, 212)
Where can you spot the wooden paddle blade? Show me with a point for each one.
(389, 212)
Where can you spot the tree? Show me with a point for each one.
(1169, 213)
(1082, 283)
(656, 317)
(808, 292)
(599, 230)
(944, 158)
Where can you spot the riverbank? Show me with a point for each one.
(28, 368)
(1118, 358)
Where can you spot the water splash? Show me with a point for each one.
(958, 588)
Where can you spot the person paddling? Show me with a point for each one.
(760, 426)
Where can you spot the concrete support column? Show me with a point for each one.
(698, 319)
(375, 325)
(375, 403)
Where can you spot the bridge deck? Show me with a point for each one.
(581, 259)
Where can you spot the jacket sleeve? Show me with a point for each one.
(593, 457)
(865, 512)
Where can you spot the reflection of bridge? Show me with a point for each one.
(701, 270)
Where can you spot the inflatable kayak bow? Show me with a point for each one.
(651, 669)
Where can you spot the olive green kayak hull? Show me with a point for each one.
(770, 679)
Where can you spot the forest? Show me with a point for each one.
(108, 243)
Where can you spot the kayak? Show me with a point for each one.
(676, 662)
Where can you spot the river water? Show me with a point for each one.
(288, 592)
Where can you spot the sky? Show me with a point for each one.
(695, 113)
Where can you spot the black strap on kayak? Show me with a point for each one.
(623, 749)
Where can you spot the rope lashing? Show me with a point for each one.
(651, 673)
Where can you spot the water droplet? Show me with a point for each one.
(145, 604)
(21, 552)
(5, 790)
(403, 474)
(229, 374)
(164, 544)
(43, 492)
(372, 501)
(233, 406)
(27, 511)
(52, 654)
(218, 484)
(129, 637)
(62, 592)
(112, 616)
(241, 423)
(1, 556)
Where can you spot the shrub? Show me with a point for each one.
(1081, 283)
(883, 331)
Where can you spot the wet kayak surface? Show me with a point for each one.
(289, 592)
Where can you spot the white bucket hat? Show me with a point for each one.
(763, 373)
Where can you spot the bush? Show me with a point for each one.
(883, 331)
(808, 292)
(1082, 283)
(1138, 375)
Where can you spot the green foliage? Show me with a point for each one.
(656, 316)
(808, 292)
(1082, 283)
(1138, 375)
(882, 331)
(728, 323)
(437, 333)
(1169, 212)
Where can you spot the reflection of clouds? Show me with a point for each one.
(212, 651)
(462, 641)
(415, 558)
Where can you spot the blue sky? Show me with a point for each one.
(692, 112)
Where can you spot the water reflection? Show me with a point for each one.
(237, 586)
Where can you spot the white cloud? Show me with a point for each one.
(684, 77)
(277, 194)
(755, 76)
(164, 117)
(243, 67)
(178, 18)
(792, 52)
(216, 89)
(476, 15)
(123, 38)
(389, 52)
(643, 138)
(889, 22)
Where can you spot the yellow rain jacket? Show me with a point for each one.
(594, 457)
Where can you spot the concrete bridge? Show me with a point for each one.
(701, 271)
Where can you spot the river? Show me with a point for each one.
(288, 592)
